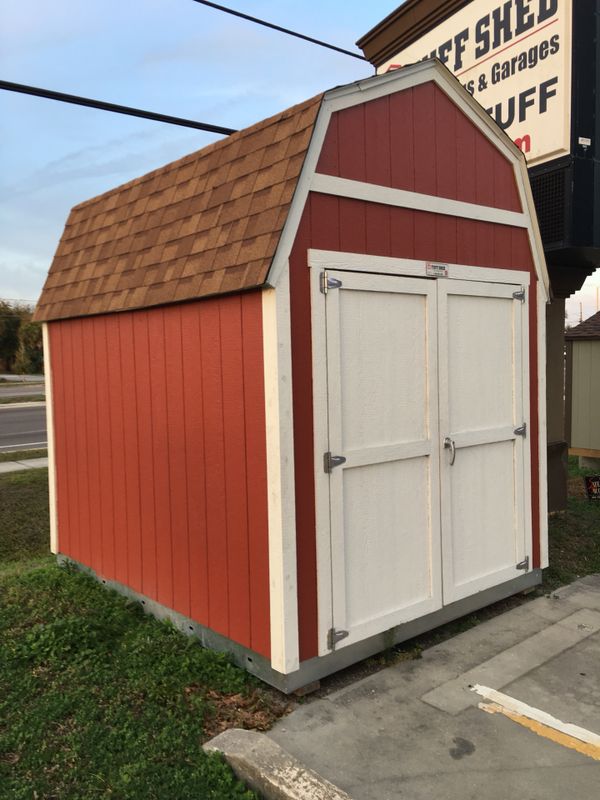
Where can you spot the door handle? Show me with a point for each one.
(450, 445)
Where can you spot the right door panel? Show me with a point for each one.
(481, 405)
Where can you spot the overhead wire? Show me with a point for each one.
(280, 28)
(116, 108)
(88, 102)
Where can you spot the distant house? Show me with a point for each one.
(583, 388)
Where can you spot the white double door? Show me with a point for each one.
(424, 393)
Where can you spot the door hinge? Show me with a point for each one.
(522, 430)
(333, 637)
(328, 283)
(524, 565)
(520, 295)
(329, 461)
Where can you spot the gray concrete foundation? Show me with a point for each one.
(317, 668)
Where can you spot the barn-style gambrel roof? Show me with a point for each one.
(206, 224)
(223, 219)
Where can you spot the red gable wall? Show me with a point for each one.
(420, 141)
(390, 142)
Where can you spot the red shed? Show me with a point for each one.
(295, 379)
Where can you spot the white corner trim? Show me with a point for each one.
(542, 433)
(386, 265)
(533, 228)
(373, 193)
(283, 592)
(50, 439)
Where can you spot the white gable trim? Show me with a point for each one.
(380, 86)
(358, 190)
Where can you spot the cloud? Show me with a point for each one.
(125, 156)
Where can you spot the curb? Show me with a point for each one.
(18, 466)
(270, 770)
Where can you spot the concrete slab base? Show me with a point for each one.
(414, 730)
(268, 769)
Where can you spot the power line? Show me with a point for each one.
(117, 109)
(280, 29)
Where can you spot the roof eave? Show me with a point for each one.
(405, 25)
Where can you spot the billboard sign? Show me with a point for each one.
(514, 57)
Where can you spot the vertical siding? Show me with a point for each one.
(585, 395)
(419, 140)
(161, 460)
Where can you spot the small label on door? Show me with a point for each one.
(436, 270)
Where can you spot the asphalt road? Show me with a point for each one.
(20, 390)
(22, 428)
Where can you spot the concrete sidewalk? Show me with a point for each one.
(418, 730)
(16, 466)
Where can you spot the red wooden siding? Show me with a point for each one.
(161, 457)
(332, 223)
(418, 140)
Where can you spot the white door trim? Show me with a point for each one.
(384, 265)
(334, 261)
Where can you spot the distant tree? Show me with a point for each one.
(21, 348)
(10, 322)
(30, 352)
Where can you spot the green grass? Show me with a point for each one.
(575, 471)
(22, 455)
(97, 699)
(23, 515)
(574, 534)
(35, 398)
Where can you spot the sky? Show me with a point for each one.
(171, 56)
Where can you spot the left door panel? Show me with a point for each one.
(382, 405)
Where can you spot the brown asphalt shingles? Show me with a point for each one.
(204, 225)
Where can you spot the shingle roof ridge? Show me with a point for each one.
(203, 151)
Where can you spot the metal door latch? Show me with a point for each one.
(329, 461)
(333, 637)
(449, 444)
(521, 430)
(520, 295)
(524, 565)
(328, 283)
